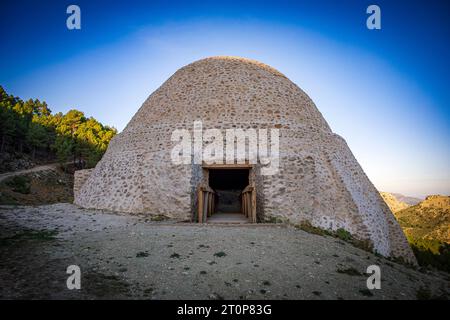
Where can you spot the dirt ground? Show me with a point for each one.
(133, 257)
(42, 185)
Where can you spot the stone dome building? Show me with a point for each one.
(318, 180)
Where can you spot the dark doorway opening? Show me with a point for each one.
(228, 185)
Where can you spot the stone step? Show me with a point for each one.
(227, 218)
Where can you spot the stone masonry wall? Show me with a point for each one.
(319, 179)
(80, 177)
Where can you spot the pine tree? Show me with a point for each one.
(30, 126)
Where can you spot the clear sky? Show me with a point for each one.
(385, 91)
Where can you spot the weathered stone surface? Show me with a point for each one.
(80, 177)
(319, 179)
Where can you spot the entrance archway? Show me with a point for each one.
(228, 185)
(227, 194)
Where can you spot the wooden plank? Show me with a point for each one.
(205, 207)
(227, 166)
(247, 200)
(200, 205)
(210, 195)
(254, 205)
(208, 211)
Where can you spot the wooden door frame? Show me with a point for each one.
(201, 185)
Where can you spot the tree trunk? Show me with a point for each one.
(2, 148)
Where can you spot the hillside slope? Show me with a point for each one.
(393, 202)
(36, 186)
(129, 257)
(428, 220)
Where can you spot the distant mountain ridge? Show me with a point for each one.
(393, 202)
(412, 201)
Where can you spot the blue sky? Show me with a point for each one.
(385, 91)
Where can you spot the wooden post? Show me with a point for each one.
(253, 204)
(200, 205)
(205, 206)
(209, 204)
(247, 202)
(208, 209)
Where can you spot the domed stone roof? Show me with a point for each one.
(318, 181)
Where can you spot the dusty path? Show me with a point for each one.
(50, 166)
(130, 257)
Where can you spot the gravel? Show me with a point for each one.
(131, 257)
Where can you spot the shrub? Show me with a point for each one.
(20, 184)
(158, 217)
(343, 234)
(426, 254)
(340, 233)
(272, 219)
(7, 199)
(308, 227)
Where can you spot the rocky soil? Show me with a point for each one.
(15, 161)
(133, 257)
(43, 184)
